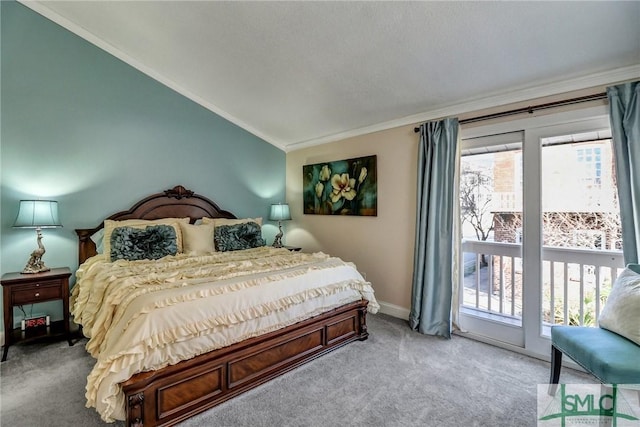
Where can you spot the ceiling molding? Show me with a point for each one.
(41, 8)
(524, 94)
(471, 105)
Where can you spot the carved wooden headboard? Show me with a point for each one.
(177, 202)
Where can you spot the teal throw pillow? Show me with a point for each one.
(238, 236)
(153, 242)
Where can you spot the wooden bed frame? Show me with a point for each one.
(172, 394)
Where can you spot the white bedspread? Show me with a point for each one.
(145, 315)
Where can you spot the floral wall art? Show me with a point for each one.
(342, 187)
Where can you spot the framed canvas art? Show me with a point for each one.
(341, 187)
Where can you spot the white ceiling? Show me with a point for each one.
(303, 73)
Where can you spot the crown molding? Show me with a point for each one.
(42, 9)
(504, 98)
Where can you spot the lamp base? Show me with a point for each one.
(277, 241)
(38, 267)
(35, 263)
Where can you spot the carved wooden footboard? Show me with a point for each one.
(172, 394)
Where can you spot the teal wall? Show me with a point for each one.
(80, 126)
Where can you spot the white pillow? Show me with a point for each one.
(98, 239)
(621, 313)
(197, 239)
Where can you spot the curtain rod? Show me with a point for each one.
(532, 108)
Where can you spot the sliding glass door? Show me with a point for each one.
(491, 200)
(540, 227)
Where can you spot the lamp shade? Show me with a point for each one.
(38, 214)
(280, 212)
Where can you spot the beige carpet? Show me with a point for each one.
(395, 378)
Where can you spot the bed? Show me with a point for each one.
(274, 310)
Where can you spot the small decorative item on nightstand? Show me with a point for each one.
(37, 214)
(20, 289)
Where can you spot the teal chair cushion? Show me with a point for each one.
(612, 358)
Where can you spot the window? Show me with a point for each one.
(590, 160)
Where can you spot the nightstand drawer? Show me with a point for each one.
(39, 291)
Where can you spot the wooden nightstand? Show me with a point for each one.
(21, 289)
(292, 248)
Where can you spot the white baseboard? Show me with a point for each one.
(2, 338)
(394, 310)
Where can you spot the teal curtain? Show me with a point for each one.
(433, 258)
(624, 113)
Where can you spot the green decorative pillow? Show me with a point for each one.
(238, 236)
(152, 242)
(621, 313)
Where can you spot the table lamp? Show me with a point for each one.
(37, 214)
(279, 212)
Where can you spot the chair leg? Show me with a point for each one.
(556, 365)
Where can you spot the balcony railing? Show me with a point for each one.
(576, 282)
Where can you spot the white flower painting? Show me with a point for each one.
(342, 187)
